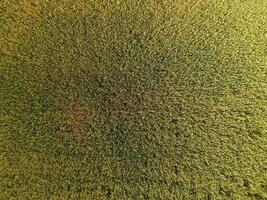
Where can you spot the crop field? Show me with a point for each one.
(133, 99)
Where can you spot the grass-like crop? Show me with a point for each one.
(131, 99)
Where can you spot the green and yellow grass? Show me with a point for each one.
(133, 99)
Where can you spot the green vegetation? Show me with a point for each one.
(133, 99)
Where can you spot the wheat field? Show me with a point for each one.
(133, 99)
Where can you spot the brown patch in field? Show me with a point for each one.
(80, 120)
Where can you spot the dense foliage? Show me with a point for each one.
(133, 99)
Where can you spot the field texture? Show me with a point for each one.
(131, 99)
